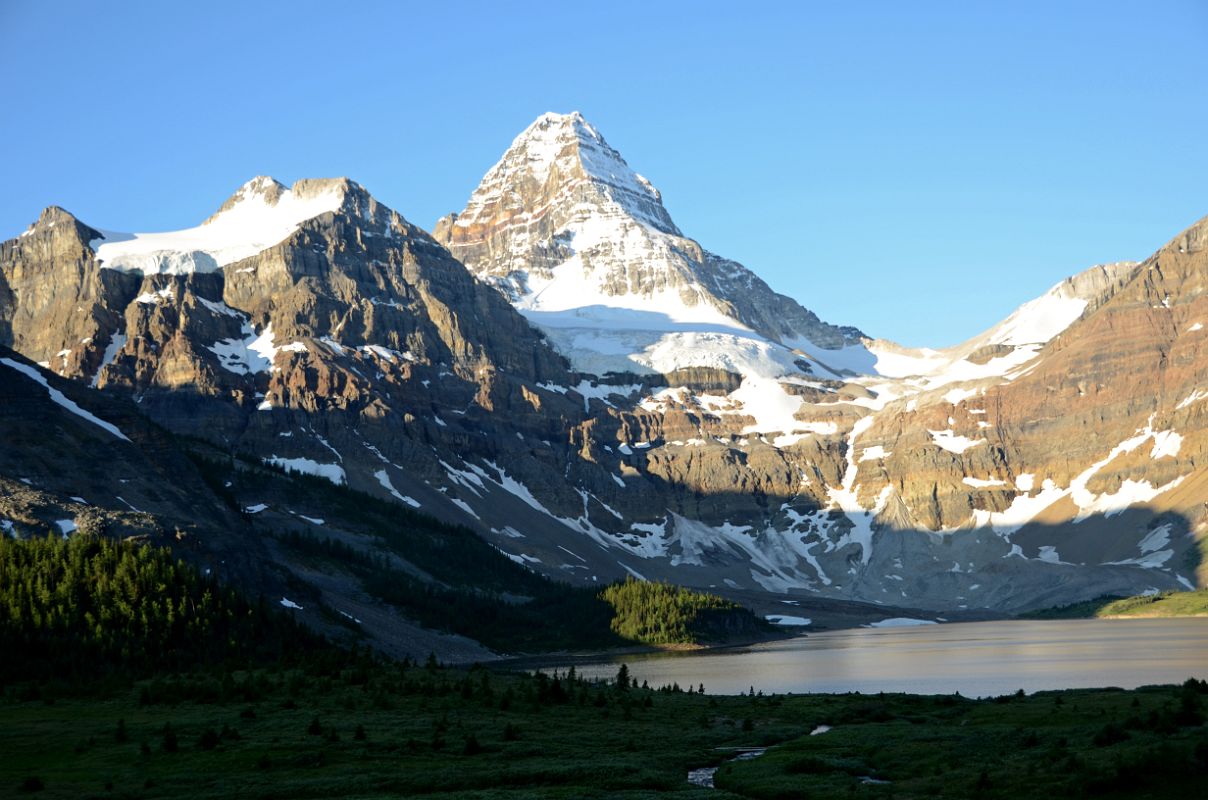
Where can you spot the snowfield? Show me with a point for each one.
(253, 224)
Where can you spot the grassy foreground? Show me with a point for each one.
(382, 731)
(125, 674)
(1149, 743)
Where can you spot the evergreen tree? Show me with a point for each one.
(90, 606)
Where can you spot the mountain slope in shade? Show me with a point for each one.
(76, 459)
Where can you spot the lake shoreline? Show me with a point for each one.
(559, 659)
(540, 661)
(976, 659)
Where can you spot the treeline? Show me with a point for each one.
(662, 613)
(96, 606)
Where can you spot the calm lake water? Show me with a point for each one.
(976, 659)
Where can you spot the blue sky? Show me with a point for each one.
(915, 169)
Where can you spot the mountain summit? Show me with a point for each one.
(564, 156)
(583, 246)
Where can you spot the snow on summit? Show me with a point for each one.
(567, 148)
(582, 246)
(260, 214)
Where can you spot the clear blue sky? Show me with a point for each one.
(916, 169)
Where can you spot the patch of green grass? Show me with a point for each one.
(384, 732)
(1165, 604)
(1084, 743)
(1086, 609)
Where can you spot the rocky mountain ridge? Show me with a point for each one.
(611, 399)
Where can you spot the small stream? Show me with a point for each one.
(703, 777)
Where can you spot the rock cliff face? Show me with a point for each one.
(608, 398)
(57, 306)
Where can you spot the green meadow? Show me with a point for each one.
(1163, 604)
(386, 730)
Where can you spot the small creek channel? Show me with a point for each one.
(704, 775)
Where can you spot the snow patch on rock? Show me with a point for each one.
(953, 443)
(61, 399)
(332, 472)
(788, 621)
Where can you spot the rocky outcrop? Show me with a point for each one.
(56, 305)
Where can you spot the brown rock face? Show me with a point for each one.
(1109, 417)
(56, 305)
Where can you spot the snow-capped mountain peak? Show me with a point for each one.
(583, 246)
(564, 157)
(264, 188)
(260, 213)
